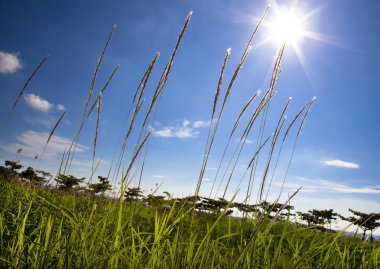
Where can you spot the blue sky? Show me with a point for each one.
(337, 155)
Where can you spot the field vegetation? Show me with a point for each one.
(61, 221)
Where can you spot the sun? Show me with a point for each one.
(291, 27)
(287, 28)
(288, 25)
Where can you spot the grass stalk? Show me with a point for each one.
(22, 90)
(231, 83)
(96, 133)
(49, 137)
(307, 109)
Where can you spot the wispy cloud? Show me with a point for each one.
(211, 168)
(159, 176)
(322, 185)
(186, 129)
(47, 120)
(37, 102)
(340, 163)
(9, 62)
(32, 144)
(200, 124)
(60, 107)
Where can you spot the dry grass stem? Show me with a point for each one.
(217, 93)
(139, 90)
(264, 101)
(103, 90)
(254, 158)
(96, 71)
(231, 83)
(73, 145)
(49, 137)
(307, 107)
(133, 159)
(165, 74)
(96, 133)
(22, 91)
(275, 73)
(28, 81)
(279, 125)
(134, 116)
(161, 84)
(242, 112)
(229, 139)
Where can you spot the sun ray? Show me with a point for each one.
(291, 26)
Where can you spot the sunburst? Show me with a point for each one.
(290, 26)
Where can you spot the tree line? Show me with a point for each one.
(367, 222)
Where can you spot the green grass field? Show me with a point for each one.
(42, 228)
(67, 227)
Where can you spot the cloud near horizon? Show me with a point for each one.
(32, 144)
(322, 185)
(159, 176)
(38, 103)
(9, 62)
(342, 164)
(187, 129)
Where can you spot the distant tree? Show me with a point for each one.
(319, 217)
(101, 187)
(13, 165)
(155, 200)
(44, 174)
(367, 222)
(67, 182)
(189, 201)
(309, 218)
(133, 194)
(6, 173)
(32, 176)
(265, 206)
(274, 209)
(28, 173)
(213, 206)
(9, 171)
(328, 216)
(286, 210)
(245, 208)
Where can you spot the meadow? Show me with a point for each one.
(42, 228)
(71, 224)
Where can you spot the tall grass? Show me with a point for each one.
(51, 230)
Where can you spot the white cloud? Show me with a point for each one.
(201, 124)
(32, 144)
(158, 176)
(37, 102)
(321, 185)
(187, 129)
(9, 62)
(60, 107)
(186, 123)
(340, 163)
(166, 132)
